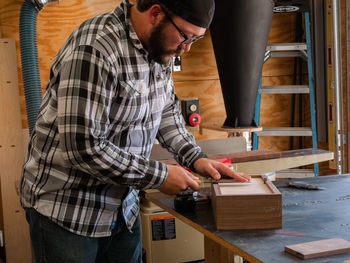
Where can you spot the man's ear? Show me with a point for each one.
(155, 14)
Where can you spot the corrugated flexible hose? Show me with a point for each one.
(30, 65)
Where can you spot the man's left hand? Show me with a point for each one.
(211, 168)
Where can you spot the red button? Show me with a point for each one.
(194, 119)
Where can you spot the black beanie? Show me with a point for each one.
(197, 12)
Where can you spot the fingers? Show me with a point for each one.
(224, 170)
(213, 172)
(195, 178)
(179, 179)
(241, 177)
(214, 169)
(192, 183)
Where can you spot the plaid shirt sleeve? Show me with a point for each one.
(86, 90)
(174, 136)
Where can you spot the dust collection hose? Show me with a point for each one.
(30, 65)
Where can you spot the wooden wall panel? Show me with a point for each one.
(212, 109)
(199, 63)
(58, 20)
(209, 94)
(54, 24)
(282, 28)
(199, 74)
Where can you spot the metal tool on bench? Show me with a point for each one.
(186, 201)
(305, 186)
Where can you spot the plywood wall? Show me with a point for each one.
(199, 77)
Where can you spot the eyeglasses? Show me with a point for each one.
(188, 40)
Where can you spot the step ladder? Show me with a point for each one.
(302, 50)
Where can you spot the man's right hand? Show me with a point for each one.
(178, 180)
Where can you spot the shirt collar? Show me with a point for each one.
(123, 12)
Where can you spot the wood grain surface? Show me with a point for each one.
(238, 157)
(255, 186)
(15, 227)
(320, 248)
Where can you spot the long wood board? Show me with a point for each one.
(246, 156)
(249, 162)
(16, 229)
(239, 157)
(289, 159)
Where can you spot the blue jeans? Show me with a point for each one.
(52, 243)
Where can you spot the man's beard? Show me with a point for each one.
(156, 45)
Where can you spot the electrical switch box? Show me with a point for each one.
(190, 111)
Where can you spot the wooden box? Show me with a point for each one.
(254, 205)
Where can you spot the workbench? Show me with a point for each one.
(308, 215)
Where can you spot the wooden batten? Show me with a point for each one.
(256, 205)
(16, 229)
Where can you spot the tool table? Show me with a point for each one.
(308, 215)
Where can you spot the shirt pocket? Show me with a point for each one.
(162, 96)
(133, 88)
(131, 104)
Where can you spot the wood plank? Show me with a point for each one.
(289, 159)
(237, 157)
(16, 229)
(271, 161)
(320, 248)
(232, 131)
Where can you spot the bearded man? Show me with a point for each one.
(109, 96)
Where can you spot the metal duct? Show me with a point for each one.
(239, 32)
(39, 4)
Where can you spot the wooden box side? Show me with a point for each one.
(214, 199)
(273, 187)
(249, 211)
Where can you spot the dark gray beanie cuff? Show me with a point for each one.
(197, 12)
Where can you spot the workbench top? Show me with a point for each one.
(308, 215)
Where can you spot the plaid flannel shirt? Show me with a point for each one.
(105, 104)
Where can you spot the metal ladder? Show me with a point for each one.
(302, 50)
